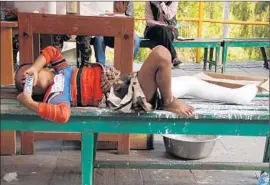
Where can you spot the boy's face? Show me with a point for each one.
(45, 79)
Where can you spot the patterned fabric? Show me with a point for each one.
(110, 77)
(132, 97)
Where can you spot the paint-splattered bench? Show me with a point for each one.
(210, 118)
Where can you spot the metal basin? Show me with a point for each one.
(190, 146)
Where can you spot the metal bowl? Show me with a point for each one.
(190, 146)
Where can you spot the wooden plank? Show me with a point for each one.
(27, 143)
(25, 40)
(8, 143)
(124, 47)
(26, 56)
(123, 144)
(7, 71)
(57, 24)
(141, 141)
(214, 111)
(71, 136)
(137, 141)
(9, 24)
(8, 138)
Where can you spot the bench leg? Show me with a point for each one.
(265, 64)
(7, 71)
(123, 144)
(266, 155)
(211, 58)
(87, 157)
(8, 143)
(27, 143)
(217, 58)
(205, 58)
(224, 58)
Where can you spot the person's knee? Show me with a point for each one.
(98, 39)
(163, 55)
(137, 41)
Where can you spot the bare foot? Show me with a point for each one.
(178, 107)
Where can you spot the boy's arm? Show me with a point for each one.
(48, 55)
(59, 113)
(54, 57)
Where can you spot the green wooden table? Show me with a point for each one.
(262, 43)
(210, 118)
(210, 46)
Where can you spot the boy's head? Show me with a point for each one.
(45, 79)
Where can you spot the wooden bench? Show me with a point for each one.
(7, 76)
(261, 43)
(122, 28)
(209, 45)
(210, 118)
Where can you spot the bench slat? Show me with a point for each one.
(139, 124)
(202, 112)
(190, 165)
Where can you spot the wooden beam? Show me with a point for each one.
(26, 56)
(123, 144)
(124, 48)
(8, 143)
(7, 71)
(8, 138)
(57, 24)
(27, 143)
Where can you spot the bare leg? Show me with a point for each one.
(156, 73)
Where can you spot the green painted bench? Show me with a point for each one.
(261, 43)
(210, 118)
(209, 45)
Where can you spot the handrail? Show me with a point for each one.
(216, 21)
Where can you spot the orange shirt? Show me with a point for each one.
(71, 87)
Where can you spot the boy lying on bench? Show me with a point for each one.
(98, 85)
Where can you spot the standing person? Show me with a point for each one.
(161, 21)
(101, 42)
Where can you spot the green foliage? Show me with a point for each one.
(239, 11)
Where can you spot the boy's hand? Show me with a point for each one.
(171, 27)
(32, 71)
(24, 98)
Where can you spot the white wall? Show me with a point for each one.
(86, 8)
(94, 8)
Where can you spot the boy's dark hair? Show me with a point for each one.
(17, 85)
